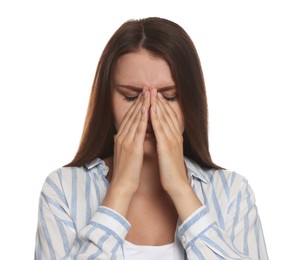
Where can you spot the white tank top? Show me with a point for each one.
(166, 252)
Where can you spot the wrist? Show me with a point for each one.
(118, 198)
(177, 187)
(185, 200)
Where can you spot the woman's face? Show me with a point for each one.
(135, 71)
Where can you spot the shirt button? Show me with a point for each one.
(183, 239)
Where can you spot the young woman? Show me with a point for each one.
(142, 184)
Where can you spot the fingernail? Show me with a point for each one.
(160, 95)
(154, 92)
(146, 94)
(143, 110)
(153, 109)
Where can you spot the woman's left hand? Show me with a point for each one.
(168, 134)
(173, 174)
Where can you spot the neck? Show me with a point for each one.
(150, 181)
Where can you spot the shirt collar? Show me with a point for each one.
(100, 163)
(193, 169)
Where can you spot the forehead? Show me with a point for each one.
(142, 69)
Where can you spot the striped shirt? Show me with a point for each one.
(72, 223)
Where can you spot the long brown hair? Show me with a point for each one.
(169, 41)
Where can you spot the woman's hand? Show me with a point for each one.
(128, 155)
(173, 174)
(168, 133)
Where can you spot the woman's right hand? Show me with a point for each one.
(128, 155)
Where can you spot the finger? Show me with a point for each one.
(140, 132)
(169, 114)
(153, 96)
(167, 124)
(139, 119)
(164, 115)
(130, 115)
(142, 127)
(155, 114)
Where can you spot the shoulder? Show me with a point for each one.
(219, 180)
(76, 191)
(65, 178)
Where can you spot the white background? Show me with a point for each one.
(48, 56)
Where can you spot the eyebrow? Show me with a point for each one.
(135, 88)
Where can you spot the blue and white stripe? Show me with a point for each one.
(73, 225)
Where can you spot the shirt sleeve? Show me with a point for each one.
(57, 237)
(240, 238)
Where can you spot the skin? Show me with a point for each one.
(148, 179)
